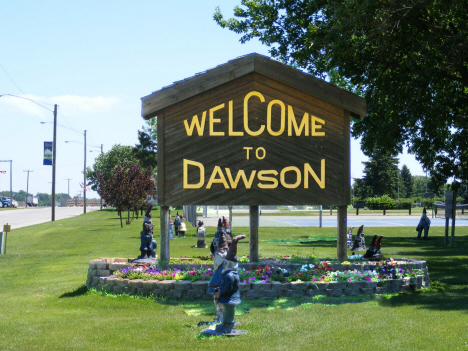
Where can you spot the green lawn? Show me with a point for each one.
(44, 305)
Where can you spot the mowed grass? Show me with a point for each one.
(44, 305)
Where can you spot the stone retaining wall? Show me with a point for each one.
(101, 270)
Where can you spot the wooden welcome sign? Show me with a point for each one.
(253, 132)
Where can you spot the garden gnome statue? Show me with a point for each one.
(201, 231)
(349, 237)
(182, 227)
(374, 253)
(227, 230)
(424, 223)
(228, 293)
(148, 244)
(171, 228)
(359, 242)
(220, 254)
(176, 224)
(214, 243)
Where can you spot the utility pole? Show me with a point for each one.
(54, 157)
(100, 195)
(27, 189)
(68, 189)
(84, 172)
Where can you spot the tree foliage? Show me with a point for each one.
(406, 182)
(126, 188)
(407, 58)
(146, 151)
(107, 163)
(380, 176)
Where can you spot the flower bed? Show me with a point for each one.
(261, 281)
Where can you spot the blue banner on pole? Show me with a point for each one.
(48, 153)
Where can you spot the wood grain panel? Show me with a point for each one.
(226, 151)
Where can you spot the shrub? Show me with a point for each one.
(377, 203)
(405, 204)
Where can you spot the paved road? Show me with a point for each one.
(23, 217)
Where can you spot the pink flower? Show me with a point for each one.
(315, 279)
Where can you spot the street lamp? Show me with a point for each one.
(54, 156)
(100, 197)
(84, 170)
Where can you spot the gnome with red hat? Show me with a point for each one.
(228, 293)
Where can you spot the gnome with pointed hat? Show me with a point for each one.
(148, 244)
(214, 243)
(228, 294)
(201, 232)
(220, 254)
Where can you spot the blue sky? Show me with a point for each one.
(96, 59)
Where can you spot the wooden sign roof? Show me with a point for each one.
(242, 66)
(253, 132)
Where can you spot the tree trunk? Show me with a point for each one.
(121, 224)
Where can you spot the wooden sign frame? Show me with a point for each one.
(260, 137)
(253, 131)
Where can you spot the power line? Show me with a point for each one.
(4, 70)
(25, 98)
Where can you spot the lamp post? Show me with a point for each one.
(54, 157)
(27, 189)
(100, 197)
(84, 170)
(68, 189)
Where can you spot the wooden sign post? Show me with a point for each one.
(3, 238)
(450, 211)
(254, 132)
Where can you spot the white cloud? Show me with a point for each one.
(70, 105)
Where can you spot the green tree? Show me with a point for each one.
(406, 182)
(380, 175)
(419, 186)
(44, 199)
(107, 162)
(146, 151)
(152, 128)
(409, 60)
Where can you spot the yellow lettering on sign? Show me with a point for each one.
(246, 113)
(317, 126)
(257, 154)
(308, 170)
(262, 176)
(248, 150)
(199, 125)
(231, 124)
(292, 123)
(298, 177)
(241, 173)
(215, 120)
(283, 114)
(221, 180)
(201, 169)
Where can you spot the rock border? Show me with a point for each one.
(101, 270)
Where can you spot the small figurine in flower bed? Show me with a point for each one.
(148, 244)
